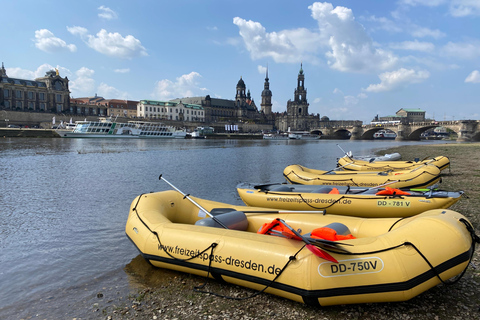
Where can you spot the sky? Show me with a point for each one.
(360, 58)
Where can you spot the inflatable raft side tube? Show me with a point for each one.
(310, 296)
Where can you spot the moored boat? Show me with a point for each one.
(419, 177)
(275, 136)
(345, 200)
(382, 260)
(106, 128)
(302, 135)
(384, 135)
(386, 157)
(348, 163)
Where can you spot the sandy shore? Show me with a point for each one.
(170, 295)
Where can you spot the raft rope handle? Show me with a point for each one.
(351, 179)
(198, 288)
(334, 202)
(213, 245)
(475, 239)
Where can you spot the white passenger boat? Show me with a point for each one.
(303, 135)
(275, 136)
(106, 128)
(385, 135)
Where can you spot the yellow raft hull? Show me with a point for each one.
(358, 205)
(348, 163)
(417, 178)
(385, 262)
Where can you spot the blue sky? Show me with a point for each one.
(360, 58)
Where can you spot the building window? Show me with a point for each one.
(6, 93)
(42, 106)
(19, 105)
(59, 97)
(18, 94)
(30, 95)
(30, 105)
(41, 96)
(7, 104)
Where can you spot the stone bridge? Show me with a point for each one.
(466, 130)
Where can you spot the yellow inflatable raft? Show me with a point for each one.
(417, 178)
(348, 163)
(341, 200)
(389, 259)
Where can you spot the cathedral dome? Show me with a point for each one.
(267, 92)
(240, 83)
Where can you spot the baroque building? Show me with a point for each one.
(169, 110)
(46, 94)
(266, 105)
(297, 118)
(243, 108)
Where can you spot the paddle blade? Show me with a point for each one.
(320, 253)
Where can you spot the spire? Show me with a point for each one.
(3, 72)
(301, 68)
(266, 74)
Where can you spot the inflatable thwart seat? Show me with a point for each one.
(237, 220)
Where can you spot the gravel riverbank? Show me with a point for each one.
(169, 295)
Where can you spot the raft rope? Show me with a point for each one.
(475, 239)
(353, 183)
(200, 287)
(212, 247)
(334, 202)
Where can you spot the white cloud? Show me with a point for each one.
(463, 50)
(282, 46)
(83, 84)
(473, 77)
(46, 41)
(362, 96)
(413, 46)
(384, 24)
(422, 32)
(111, 44)
(185, 86)
(126, 70)
(350, 100)
(351, 49)
(399, 78)
(463, 8)
(261, 69)
(109, 92)
(428, 3)
(336, 90)
(38, 73)
(317, 100)
(78, 31)
(107, 13)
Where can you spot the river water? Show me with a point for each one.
(64, 204)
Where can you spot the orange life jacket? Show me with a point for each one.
(329, 234)
(391, 191)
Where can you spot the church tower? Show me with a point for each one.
(240, 97)
(266, 105)
(299, 105)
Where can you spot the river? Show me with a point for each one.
(64, 204)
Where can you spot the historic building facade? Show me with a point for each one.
(297, 118)
(403, 116)
(243, 108)
(46, 94)
(169, 110)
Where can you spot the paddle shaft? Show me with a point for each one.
(344, 152)
(195, 203)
